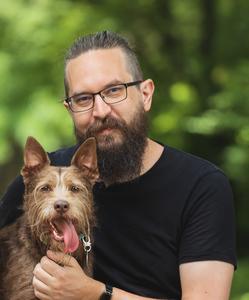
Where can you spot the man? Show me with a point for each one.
(165, 217)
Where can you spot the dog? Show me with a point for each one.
(58, 215)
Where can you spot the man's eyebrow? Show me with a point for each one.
(111, 83)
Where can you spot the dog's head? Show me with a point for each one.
(58, 200)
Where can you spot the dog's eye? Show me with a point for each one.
(74, 189)
(46, 188)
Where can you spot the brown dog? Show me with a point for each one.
(58, 215)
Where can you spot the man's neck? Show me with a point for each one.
(152, 153)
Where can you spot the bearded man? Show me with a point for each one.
(165, 218)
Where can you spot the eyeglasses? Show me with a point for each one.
(111, 95)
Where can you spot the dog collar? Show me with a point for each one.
(86, 244)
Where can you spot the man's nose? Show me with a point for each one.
(100, 109)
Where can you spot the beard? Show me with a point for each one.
(119, 159)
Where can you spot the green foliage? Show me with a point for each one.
(197, 52)
(240, 288)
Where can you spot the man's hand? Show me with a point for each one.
(54, 282)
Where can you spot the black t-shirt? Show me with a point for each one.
(179, 211)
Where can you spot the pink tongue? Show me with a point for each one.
(71, 239)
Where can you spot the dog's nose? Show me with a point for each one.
(61, 206)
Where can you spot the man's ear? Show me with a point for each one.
(66, 105)
(35, 157)
(147, 88)
(85, 159)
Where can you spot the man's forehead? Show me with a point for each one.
(97, 67)
(98, 56)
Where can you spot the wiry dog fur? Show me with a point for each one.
(52, 195)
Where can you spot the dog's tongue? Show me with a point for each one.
(71, 239)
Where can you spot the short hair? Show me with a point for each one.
(103, 40)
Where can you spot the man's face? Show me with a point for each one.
(95, 70)
(111, 124)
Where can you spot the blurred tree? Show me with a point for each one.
(196, 51)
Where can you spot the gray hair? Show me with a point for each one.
(103, 40)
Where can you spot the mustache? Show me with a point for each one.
(107, 123)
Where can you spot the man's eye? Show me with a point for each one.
(46, 188)
(82, 99)
(114, 90)
(74, 189)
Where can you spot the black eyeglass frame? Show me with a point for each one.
(127, 84)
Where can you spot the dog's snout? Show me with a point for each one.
(61, 206)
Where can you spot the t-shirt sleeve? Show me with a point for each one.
(11, 202)
(208, 222)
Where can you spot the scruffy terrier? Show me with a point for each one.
(58, 215)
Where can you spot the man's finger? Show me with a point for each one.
(39, 286)
(61, 258)
(50, 267)
(42, 274)
(41, 296)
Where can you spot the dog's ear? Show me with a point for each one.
(35, 157)
(85, 159)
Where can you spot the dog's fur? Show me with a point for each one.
(54, 197)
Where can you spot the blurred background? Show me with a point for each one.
(196, 51)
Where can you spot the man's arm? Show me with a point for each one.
(11, 202)
(207, 255)
(206, 280)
